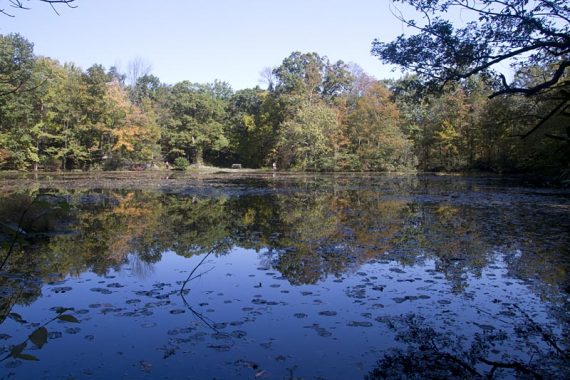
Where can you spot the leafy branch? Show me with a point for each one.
(39, 337)
(505, 32)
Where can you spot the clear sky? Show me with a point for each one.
(203, 40)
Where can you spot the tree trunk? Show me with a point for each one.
(199, 159)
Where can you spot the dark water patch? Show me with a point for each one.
(220, 347)
(359, 324)
(101, 290)
(321, 331)
(61, 289)
(238, 334)
(328, 313)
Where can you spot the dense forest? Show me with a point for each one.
(311, 115)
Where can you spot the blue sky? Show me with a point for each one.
(203, 40)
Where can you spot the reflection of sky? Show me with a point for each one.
(243, 298)
(472, 252)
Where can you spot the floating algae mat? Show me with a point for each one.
(282, 276)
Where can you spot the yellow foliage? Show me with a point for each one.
(133, 129)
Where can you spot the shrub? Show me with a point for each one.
(181, 163)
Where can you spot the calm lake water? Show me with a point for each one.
(276, 276)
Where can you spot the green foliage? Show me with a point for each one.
(311, 76)
(181, 163)
(63, 118)
(304, 142)
(16, 64)
(521, 33)
(374, 132)
(251, 126)
(508, 132)
(195, 123)
(146, 87)
(17, 101)
(318, 116)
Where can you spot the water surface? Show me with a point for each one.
(282, 276)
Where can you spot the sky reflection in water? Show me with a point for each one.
(308, 276)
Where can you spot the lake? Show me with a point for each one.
(276, 275)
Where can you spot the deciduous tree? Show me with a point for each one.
(521, 33)
(374, 131)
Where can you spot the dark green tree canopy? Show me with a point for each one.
(521, 33)
(16, 64)
(147, 86)
(310, 74)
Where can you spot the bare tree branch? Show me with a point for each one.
(19, 4)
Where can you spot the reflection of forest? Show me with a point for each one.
(306, 234)
(438, 354)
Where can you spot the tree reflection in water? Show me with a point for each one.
(432, 353)
(309, 230)
(308, 235)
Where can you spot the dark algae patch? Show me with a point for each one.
(283, 276)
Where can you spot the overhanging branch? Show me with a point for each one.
(18, 4)
(538, 88)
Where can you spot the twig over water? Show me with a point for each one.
(208, 322)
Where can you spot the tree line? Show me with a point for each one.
(313, 115)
